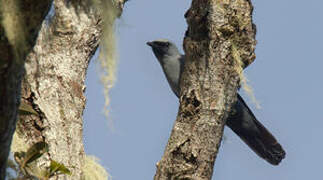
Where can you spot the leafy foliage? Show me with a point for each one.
(27, 167)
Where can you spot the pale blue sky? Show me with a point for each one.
(286, 77)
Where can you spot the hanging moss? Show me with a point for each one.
(93, 170)
(110, 11)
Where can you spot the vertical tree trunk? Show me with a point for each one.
(54, 83)
(19, 24)
(219, 43)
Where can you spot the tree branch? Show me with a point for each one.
(220, 34)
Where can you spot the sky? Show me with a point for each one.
(286, 77)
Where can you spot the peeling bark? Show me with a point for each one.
(218, 32)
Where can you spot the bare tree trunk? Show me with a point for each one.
(220, 35)
(19, 24)
(54, 83)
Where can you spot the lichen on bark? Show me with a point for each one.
(208, 85)
(54, 83)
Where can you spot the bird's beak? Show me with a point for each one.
(150, 44)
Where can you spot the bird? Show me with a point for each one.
(242, 122)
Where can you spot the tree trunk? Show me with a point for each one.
(54, 83)
(219, 43)
(19, 25)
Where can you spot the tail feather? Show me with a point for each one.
(243, 122)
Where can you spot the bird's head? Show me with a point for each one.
(163, 48)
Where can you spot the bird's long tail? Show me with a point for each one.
(243, 122)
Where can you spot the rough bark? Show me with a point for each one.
(54, 83)
(16, 40)
(219, 35)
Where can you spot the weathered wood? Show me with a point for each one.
(220, 35)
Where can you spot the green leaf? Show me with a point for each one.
(37, 172)
(56, 167)
(26, 109)
(34, 152)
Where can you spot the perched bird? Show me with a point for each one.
(242, 122)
